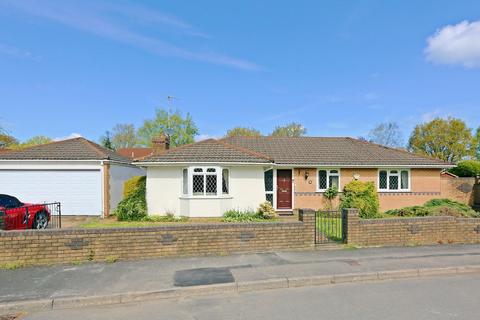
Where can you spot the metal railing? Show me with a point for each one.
(36, 216)
(328, 227)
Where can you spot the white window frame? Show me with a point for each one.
(399, 174)
(218, 174)
(339, 175)
(272, 192)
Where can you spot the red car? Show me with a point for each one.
(18, 216)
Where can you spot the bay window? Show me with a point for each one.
(394, 180)
(205, 181)
(328, 178)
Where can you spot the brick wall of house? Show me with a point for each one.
(64, 246)
(426, 185)
(410, 231)
(459, 189)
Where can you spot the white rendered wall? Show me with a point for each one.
(164, 193)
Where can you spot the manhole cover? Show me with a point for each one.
(202, 276)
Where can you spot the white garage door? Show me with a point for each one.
(78, 191)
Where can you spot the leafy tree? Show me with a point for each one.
(106, 141)
(293, 129)
(467, 168)
(124, 136)
(387, 134)
(477, 150)
(36, 140)
(243, 132)
(445, 139)
(181, 130)
(7, 141)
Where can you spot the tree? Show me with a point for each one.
(477, 150)
(36, 140)
(293, 129)
(7, 141)
(106, 142)
(445, 139)
(124, 136)
(387, 134)
(243, 132)
(181, 130)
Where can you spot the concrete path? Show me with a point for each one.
(427, 299)
(100, 279)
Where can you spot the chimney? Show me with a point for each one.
(160, 143)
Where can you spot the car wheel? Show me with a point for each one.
(41, 221)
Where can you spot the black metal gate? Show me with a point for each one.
(328, 226)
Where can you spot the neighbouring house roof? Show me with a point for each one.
(71, 149)
(295, 151)
(209, 150)
(135, 153)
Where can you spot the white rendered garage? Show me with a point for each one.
(84, 177)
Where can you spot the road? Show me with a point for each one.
(454, 297)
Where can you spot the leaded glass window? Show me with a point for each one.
(328, 178)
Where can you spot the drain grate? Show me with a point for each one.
(202, 276)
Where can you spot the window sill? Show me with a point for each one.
(206, 197)
(393, 191)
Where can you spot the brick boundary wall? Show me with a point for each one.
(409, 231)
(76, 245)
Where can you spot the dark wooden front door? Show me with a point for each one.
(284, 189)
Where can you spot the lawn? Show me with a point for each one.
(112, 222)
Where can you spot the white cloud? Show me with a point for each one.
(14, 51)
(456, 45)
(70, 136)
(94, 20)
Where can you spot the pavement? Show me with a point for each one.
(439, 298)
(108, 283)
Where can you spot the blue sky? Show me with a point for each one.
(338, 67)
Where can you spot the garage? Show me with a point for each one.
(78, 191)
(86, 178)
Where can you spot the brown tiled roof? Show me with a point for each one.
(209, 150)
(298, 151)
(331, 151)
(71, 149)
(135, 153)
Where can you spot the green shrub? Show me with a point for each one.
(266, 210)
(436, 207)
(467, 168)
(362, 196)
(134, 206)
(450, 208)
(414, 211)
(131, 184)
(242, 216)
(330, 194)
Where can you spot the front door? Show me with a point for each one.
(284, 189)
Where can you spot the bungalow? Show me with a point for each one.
(207, 178)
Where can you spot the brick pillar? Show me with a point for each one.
(350, 225)
(307, 216)
(106, 190)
